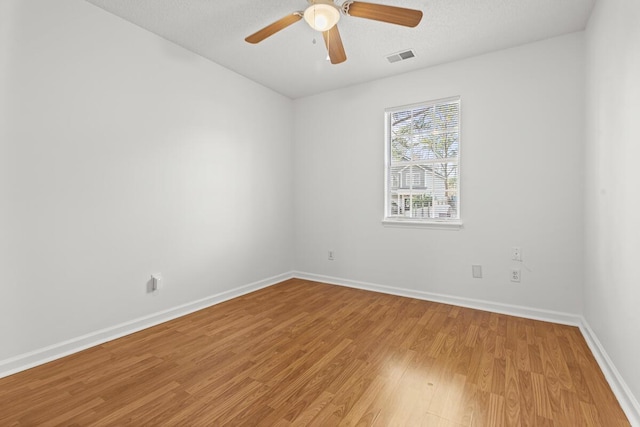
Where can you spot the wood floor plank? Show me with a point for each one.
(313, 409)
(527, 404)
(304, 353)
(541, 396)
(512, 389)
(496, 413)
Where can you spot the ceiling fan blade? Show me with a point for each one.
(334, 45)
(384, 13)
(271, 29)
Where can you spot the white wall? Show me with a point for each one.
(522, 180)
(122, 155)
(612, 202)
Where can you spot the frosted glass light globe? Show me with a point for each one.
(321, 16)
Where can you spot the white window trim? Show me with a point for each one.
(430, 223)
(433, 223)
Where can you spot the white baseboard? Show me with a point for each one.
(625, 397)
(628, 402)
(47, 354)
(496, 307)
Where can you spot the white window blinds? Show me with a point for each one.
(423, 162)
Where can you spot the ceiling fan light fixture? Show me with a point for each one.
(321, 16)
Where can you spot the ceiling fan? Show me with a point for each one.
(323, 15)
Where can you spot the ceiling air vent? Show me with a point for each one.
(401, 56)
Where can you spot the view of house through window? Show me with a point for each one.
(422, 168)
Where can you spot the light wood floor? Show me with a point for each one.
(306, 353)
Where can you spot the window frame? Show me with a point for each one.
(412, 222)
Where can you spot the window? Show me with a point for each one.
(422, 173)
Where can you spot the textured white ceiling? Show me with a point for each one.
(293, 62)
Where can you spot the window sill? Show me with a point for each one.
(440, 225)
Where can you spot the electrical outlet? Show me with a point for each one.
(515, 275)
(156, 282)
(516, 253)
(330, 256)
(476, 271)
